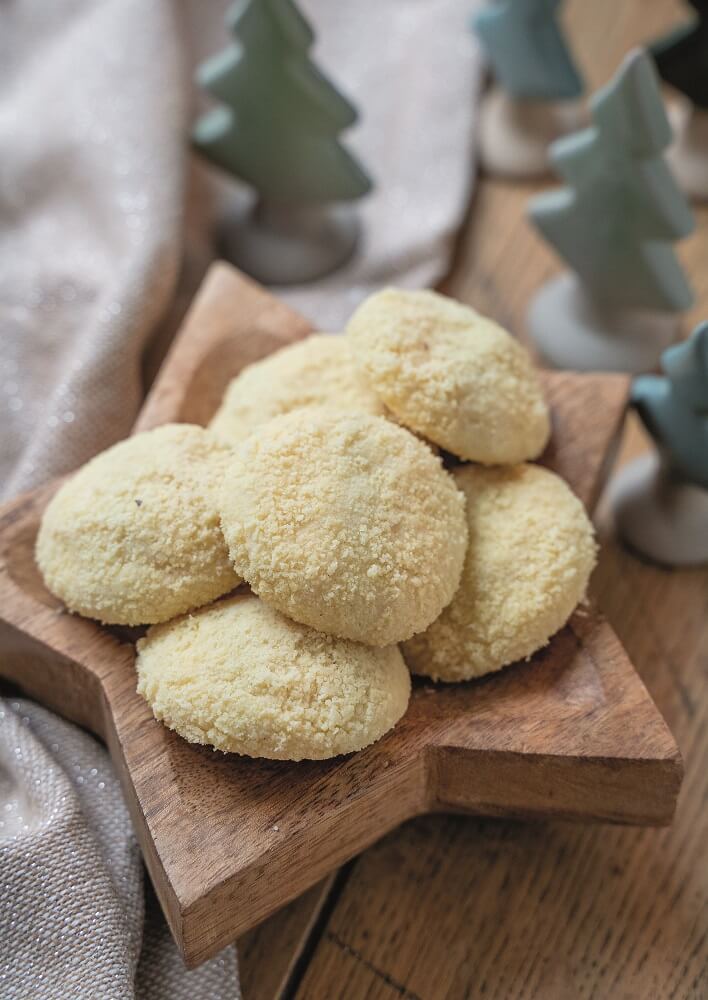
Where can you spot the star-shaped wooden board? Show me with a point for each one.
(571, 734)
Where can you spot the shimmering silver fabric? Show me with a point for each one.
(73, 921)
(101, 237)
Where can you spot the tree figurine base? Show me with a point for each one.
(514, 135)
(660, 516)
(571, 330)
(688, 156)
(288, 244)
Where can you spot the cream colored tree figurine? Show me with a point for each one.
(682, 61)
(614, 225)
(534, 97)
(277, 129)
(661, 499)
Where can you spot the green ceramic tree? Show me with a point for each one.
(279, 122)
(616, 220)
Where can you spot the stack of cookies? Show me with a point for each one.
(373, 491)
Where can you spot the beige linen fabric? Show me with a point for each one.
(104, 233)
(92, 107)
(95, 103)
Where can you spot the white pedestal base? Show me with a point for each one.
(290, 245)
(570, 330)
(688, 155)
(514, 135)
(660, 516)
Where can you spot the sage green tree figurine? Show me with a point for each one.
(681, 58)
(614, 225)
(277, 128)
(536, 85)
(661, 499)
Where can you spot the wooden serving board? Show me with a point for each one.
(227, 840)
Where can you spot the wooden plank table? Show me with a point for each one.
(450, 907)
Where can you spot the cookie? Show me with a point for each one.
(531, 552)
(133, 537)
(317, 371)
(451, 375)
(346, 523)
(241, 677)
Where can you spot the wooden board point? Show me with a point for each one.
(227, 840)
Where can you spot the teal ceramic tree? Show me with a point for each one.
(279, 122)
(532, 101)
(527, 50)
(661, 499)
(615, 223)
(674, 406)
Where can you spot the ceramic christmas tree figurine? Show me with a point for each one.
(277, 128)
(534, 97)
(613, 225)
(661, 500)
(682, 61)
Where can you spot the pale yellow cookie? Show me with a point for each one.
(451, 375)
(241, 677)
(345, 522)
(133, 537)
(317, 371)
(531, 552)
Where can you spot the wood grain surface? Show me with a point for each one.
(229, 840)
(461, 908)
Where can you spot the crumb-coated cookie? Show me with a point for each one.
(451, 375)
(317, 371)
(530, 556)
(133, 537)
(241, 677)
(345, 522)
